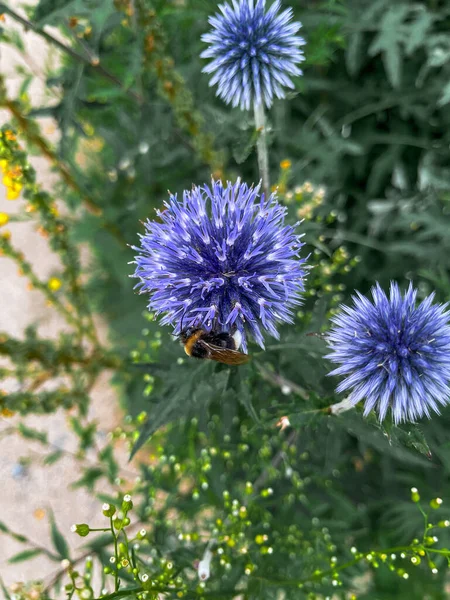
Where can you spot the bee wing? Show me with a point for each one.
(224, 355)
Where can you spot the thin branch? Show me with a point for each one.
(35, 139)
(92, 62)
(282, 382)
(275, 462)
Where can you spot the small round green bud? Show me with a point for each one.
(118, 524)
(81, 528)
(127, 504)
(436, 503)
(415, 497)
(108, 510)
(122, 549)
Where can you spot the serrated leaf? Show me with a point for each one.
(418, 29)
(58, 540)
(415, 438)
(178, 403)
(245, 399)
(388, 40)
(24, 555)
(89, 478)
(244, 146)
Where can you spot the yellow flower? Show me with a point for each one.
(10, 135)
(3, 164)
(5, 412)
(54, 284)
(13, 191)
(285, 164)
(4, 218)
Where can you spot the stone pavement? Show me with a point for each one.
(28, 493)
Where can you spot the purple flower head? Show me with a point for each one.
(254, 53)
(393, 353)
(222, 259)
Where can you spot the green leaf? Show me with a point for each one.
(89, 478)
(388, 40)
(107, 458)
(177, 402)
(445, 95)
(53, 457)
(418, 29)
(245, 399)
(24, 555)
(58, 540)
(354, 56)
(415, 438)
(3, 527)
(4, 590)
(32, 434)
(244, 145)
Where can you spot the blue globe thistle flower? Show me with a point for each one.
(255, 53)
(222, 259)
(393, 353)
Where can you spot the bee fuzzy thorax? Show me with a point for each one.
(191, 340)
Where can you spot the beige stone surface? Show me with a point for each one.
(28, 494)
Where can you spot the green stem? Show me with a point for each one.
(261, 147)
(116, 554)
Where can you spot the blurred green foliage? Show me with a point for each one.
(368, 138)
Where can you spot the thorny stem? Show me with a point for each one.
(261, 146)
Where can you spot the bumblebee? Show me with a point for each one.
(213, 345)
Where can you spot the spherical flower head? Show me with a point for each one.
(222, 259)
(393, 353)
(254, 53)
